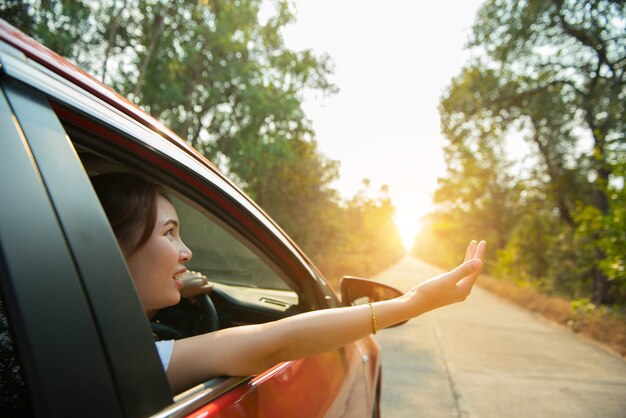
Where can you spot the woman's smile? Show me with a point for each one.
(177, 279)
(155, 266)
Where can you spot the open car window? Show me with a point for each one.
(248, 286)
(220, 256)
(236, 268)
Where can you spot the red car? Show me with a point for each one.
(74, 340)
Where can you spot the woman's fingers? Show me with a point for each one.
(479, 254)
(469, 251)
(480, 250)
(464, 270)
(466, 284)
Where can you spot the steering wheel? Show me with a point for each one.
(193, 315)
(210, 319)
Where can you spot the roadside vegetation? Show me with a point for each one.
(600, 323)
(217, 73)
(548, 77)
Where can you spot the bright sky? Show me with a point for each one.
(393, 60)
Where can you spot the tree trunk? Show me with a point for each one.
(114, 24)
(159, 27)
(554, 173)
(601, 286)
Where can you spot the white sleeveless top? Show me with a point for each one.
(164, 348)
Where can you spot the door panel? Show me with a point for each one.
(327, 385)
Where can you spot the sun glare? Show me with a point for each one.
(408, 229)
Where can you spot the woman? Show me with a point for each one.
(147, 229)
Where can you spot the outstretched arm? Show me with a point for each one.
(251, 349)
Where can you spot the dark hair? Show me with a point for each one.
(129, 202)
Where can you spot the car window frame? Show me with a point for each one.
(151, 165)
(114, 138)
(115, 145)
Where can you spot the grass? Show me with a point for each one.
(597, 323)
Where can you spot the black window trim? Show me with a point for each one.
(53, 327)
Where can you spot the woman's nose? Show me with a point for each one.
(185, 253)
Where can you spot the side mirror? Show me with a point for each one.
(357, 291)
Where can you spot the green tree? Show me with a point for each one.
(365, 238)
(476, 197)
(210, 70)
(63, 25)
(555, 71)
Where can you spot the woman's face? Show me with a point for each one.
(155, 266)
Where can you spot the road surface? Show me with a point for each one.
(487, 358)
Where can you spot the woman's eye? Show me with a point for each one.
(170, 232)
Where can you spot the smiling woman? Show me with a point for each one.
(147, 228)
(157, 264)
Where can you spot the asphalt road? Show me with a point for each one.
(489, 358)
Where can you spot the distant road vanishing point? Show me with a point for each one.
(489, 358)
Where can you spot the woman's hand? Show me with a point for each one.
(450, 287)
(194, 284)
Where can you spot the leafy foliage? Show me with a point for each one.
(554, 71)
